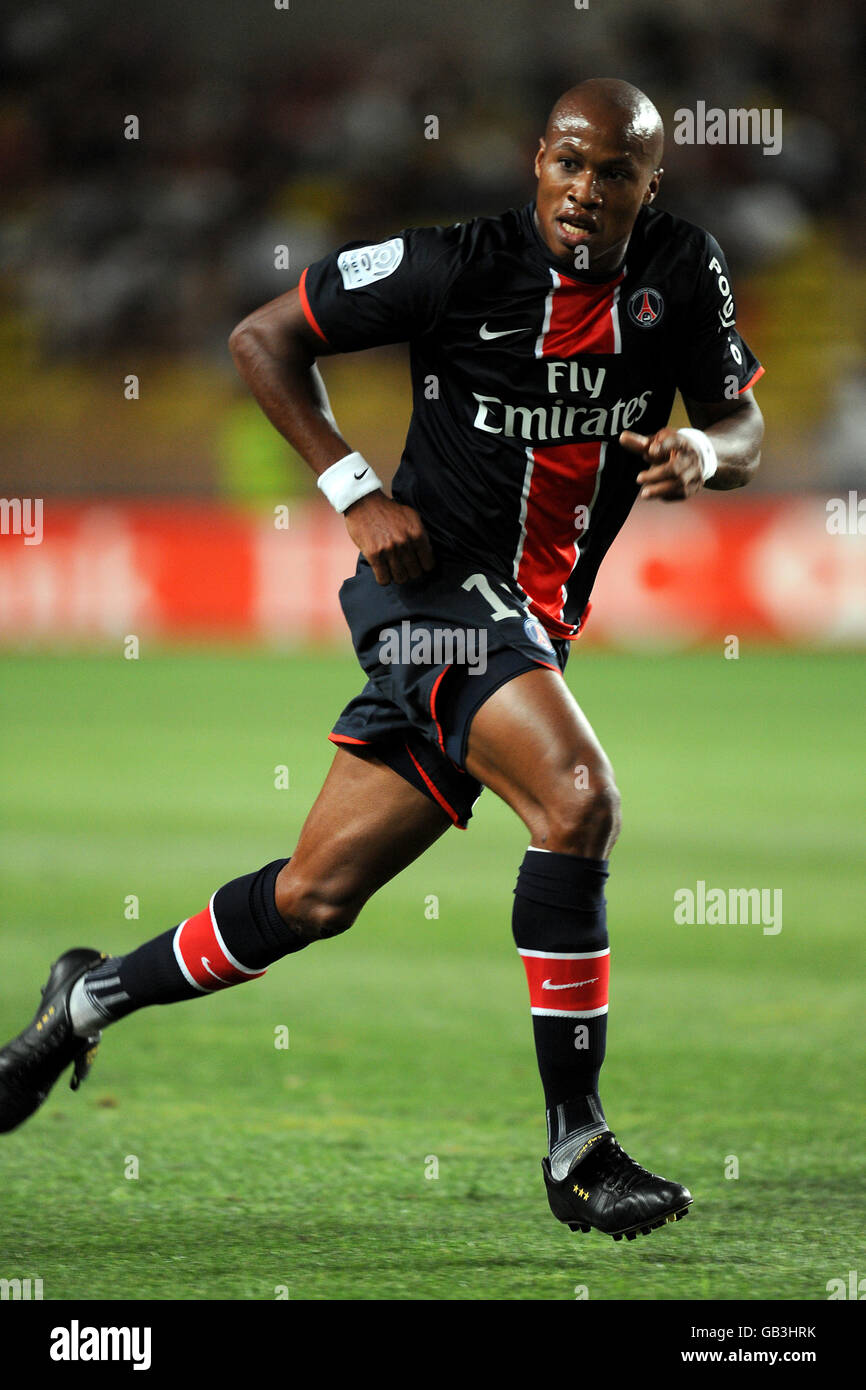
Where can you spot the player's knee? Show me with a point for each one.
(311, 910)
(584, 819)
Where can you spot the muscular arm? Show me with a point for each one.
(275, 350)
(674, 472)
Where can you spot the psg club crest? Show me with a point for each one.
(646, 307)
(536, 633)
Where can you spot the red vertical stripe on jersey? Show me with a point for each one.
(581, 318)
(563, 478)
(567, 984)
(581, 321)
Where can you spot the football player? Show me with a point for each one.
(547, 345)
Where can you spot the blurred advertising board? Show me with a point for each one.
(778, 569)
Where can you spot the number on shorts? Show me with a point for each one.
(499, 609)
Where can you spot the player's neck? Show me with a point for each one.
(593, 274)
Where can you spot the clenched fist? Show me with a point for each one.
(391, 537)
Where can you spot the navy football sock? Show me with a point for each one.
(560, 929)
(233, 939)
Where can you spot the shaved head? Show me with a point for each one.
(631, 114)
(598, 164)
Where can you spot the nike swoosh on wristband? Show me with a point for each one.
(360, 475)
(488, 333)
(548, 984)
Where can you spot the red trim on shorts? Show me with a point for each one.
(752, 379)
(550, 666)
(344, 738)
(434, 790)
(305, 305)
(433, 694)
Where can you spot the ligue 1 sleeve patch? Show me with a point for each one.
(365, 264)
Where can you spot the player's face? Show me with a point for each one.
(593, 178)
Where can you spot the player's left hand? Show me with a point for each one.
(675, 470)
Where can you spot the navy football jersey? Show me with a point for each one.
(523, 375)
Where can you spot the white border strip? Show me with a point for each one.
(244, 969)
(565, 955)
(175, 941)
(569, 1013)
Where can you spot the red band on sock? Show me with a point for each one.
(203, 956)
(571, 985)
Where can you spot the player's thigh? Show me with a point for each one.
(532, 745)
(366, 825)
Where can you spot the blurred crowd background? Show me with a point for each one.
(305, 127)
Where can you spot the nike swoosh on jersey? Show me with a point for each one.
(573, 984)
(488, 333)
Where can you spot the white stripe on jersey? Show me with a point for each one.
(614, 314)
(524, 502)
(548, 310)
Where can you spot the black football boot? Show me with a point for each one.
(608, 1191)
(31, 1063)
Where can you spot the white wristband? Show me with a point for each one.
(347, 481)
(704, 446)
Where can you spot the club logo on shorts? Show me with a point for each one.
(536, 633)
(364, 264)
(646, 307)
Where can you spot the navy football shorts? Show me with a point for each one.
(433, 650)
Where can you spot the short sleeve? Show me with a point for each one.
(364, 296)
(715, 362)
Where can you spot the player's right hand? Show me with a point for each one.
(391, 537)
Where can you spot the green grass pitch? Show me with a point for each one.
(309, 1171)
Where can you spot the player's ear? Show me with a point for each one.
(653, 185)
(539, 156)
